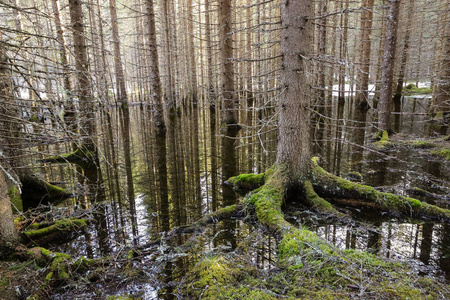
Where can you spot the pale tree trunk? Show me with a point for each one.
(68, 102)
(191, 50)
(8, 233)
(362, 80)
(87, 115)
(209, 59)
(226, 61)
(441, 101)
(343, 53)
(155, 79)
(121, 92)
(405, 56)
(294, 103)
(384, 114)
(168, 91)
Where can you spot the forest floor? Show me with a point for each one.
(19, 279)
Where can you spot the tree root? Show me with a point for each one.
(36, 191)
(332, 187)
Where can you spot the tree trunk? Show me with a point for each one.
(155, 79)
(404, 59)
(384, 115)
(69, 107)
(365, 46)
(226, 62)
(8, 234)
(121, 92)
(294, 104)
(441, 101)
(191, 50)
(87, 115)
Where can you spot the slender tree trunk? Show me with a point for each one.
(294, 104)
(121, 91)
(155, 79)
(87, 115)
(168, 63)
(67, 82)
(191, 51)
(362, 80)
(405, 56)
(226, 62)
(384, 115)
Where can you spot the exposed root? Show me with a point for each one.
(333, 187)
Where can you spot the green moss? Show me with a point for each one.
(414, 202)
(383, 141)
(53, 190)
(445, 153)
(247, 182)
(218, 277)
(64, 225)
(337, 187)
(316, 201)
(121, 297)
(421, 144)
(18, 220)
(412, 89)
(82, 156)
(16, 200)
(82, 264)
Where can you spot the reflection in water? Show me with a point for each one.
(392, 240)
(156, 180)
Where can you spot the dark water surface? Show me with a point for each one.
(151, 182)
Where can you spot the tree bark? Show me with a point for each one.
(441, 101)
(364, 49)
(68, 89)
(384, 115)
(155, 79)
(294, 104)
(87, 115)
(226, 61)
(191, 50)
(121, 92)
(8, 233)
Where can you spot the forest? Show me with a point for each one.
(224, 149)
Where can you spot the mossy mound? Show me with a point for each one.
(383, 140)
(412, 89)
(218, 277)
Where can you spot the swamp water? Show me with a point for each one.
(145, 188)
